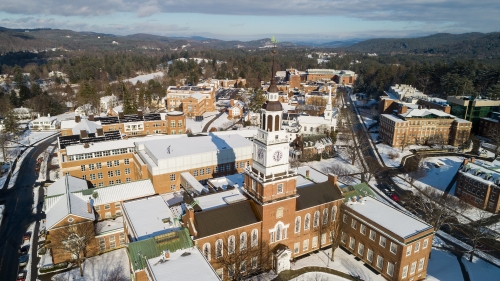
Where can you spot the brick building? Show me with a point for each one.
(478, 183)
(339, 76)
(191, 100)
(489, 126)
(423, 126)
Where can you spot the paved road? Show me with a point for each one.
(18, 213)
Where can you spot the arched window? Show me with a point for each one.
(297, 224)
(255, 237)
(334, 213)
(325, 216)
(269, 123)
(277, 123)
(307, 221)
(219, 244)
(231, 244)
(279, 231)
(316, 219)
(206, 251)
(243, 241)
(264, 121)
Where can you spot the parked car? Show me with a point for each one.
(394, 197)
(24, 250)
(27, 235)
(23, 260)
(21, 276)
(391, 188)
(386, 191)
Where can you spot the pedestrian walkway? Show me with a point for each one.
(205, 129)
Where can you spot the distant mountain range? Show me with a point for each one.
(468, 44)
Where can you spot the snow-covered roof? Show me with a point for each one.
(392, 117)
(108, 98)
(388, 217)
(319, 120)
(220, 199)
(115, 144)
(246, 133)
(87, 125)
(149, 217)
(482, 171)
(314, 175)
(425, 112)
(108, 226)
(66, 183)
(197, 96)
(163, 149)
(68, 204)
(460, 120)
(45, 119)
(185, 264)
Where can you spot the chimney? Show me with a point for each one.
(91, 117)
(89, 207)
(48, 115)
(166, 254)
(38, 115)
(77, 118)
(466, 160)
(86, 145)
(332, 178)
(120, 115)
(472, 160)
(100, 132)
(139, 113)
(83, 134)
(307, 173)
(403, 109)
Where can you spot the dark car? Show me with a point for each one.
(27, 235)
(24, 250)
(23, 260)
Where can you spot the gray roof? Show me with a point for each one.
(68, 204)
(225, 218)
(66, 183)
(317, 194)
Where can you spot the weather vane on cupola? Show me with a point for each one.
(275, 42)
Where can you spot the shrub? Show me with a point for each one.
(393, 155)
(55, 267)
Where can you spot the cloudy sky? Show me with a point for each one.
(293, 20)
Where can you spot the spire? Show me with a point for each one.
(273, 88)
(330, 96)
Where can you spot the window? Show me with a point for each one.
(110, 174)
(92, 176)
(372, 235)
(314, 242)
(107, 215)
(325, 215)
(380, 262)
(195, 173)
(209, 171)
(343, 238)
(126, 161)
(361, 249)
(117, 163)
(352, 242)
(228, 167)
(253, 262)
(202, 172)
(390, 269)
(408, 250)
(127, 171)
(382, 241)
(98, 165)
(369, 255)
(405, 272)
(91, 166)
(316, 219)
(216, 169)
(280, 188)
(218, 248)
(334, 213)
(109, 164)
(297, 224)
(112, 238)
(421, 264)
(394, 248)
(231, 270)
(362, 229)
(221, 168)
(102, 247)
(107, 207)
(172, 187)
(118, 172)
(424, 246)
(323, 238)
(417, 247)
(100, 184)
(231, 244)
(255, 238)
(254, 185)
(305, 245)
(243, 266)
(413, 267)
(296, 248)
(82, 168)
(307, 221)
(243, 241)
(128, 180)
(345, 218)
(354, 223)
(172, 177)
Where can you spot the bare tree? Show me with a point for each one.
(405, 140)
(75, 240)
(5, 139)
(336, 229)
(340, 170)
(415, 168)
(371, 168)
(434, 207)
(294, 162)
(478, 232)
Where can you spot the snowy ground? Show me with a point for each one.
(440, 177)
(66, 116)
(222, 122)
(28, 138)
(145, 78)
(443, 266)
(344, 262)
(197, 126)
(99, 267)
(480, 270)
(318, 276)
(2, 207)
(29, 242)
(384, 150)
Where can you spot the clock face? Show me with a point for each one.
(277, 155)
(260, 153)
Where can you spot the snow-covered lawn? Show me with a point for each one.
(344, 262)
(66, 116)
(480, 270)
(145, 78)
(222, 122)
(440, 177)
(443, 266)
(197, 126)
(318, 276)
(99, 267)
(386, 151)
(28, 138)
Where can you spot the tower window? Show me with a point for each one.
(280, 188)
